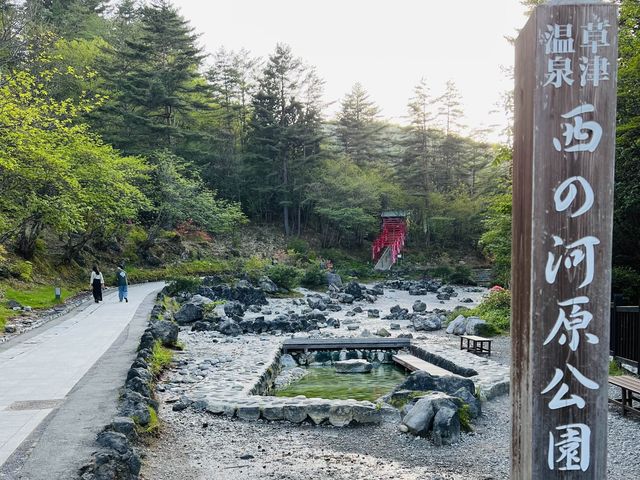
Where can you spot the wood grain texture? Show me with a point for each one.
(538, 171)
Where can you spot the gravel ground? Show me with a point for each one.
(199, 446)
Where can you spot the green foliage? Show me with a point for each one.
(285, 276)
(299, 245)
(314, 276)
(626, 280)
(496, 239)
(495, 309)
(22, 270)
(464, 413)
(183, 284)
(255, 267)
(153, 427)
(161, 358)
(615, 369)
(183, 269)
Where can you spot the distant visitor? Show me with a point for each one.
(97, 284)
(122, 284)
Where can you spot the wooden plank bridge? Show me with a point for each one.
(309, 344)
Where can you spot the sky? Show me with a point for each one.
(387, 46)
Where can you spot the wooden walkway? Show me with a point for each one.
(372, 343)
(413, 363)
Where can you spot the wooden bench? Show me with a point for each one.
(630, 387)
(475, 344)
(414, 363)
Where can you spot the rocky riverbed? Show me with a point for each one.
(198, 445)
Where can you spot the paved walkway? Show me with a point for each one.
(40, 369)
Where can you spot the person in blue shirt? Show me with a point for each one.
(123, 284)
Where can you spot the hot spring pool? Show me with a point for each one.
(324, 382)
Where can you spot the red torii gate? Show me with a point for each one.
(392, 237)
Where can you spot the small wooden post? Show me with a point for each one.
(565, 100)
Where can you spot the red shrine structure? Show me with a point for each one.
(387, 247)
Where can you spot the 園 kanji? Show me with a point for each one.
(572, 448)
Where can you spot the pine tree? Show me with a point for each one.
(156, 83)
(284, 136)
(359, 129)
(450, 109)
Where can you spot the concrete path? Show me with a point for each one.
(40, 370)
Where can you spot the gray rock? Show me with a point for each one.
(318, 413)
(394, 326)
(165, 331)
(202, 326)
(383, 333)
(244, 284)
(233, 309)
(353, 366)
(466, 300)
(248, 412)
(458, 326)
(353, 289)
(287, 361)
(419, 306)
(430, 323)
(353, 327)
(373, 313)
(11, 304)
(267, 285)
(423, 381)
(189, 313)
(419, 420)
(446, 426)
(340, 415)
(443, 296)
(10, 329)
(316, 303)
(476, 326)
(124, 425)
(475, 407)
(229, 327)
(366, 414)
(294, 413)
(200, 300)
(334, 279)
(358, 309)
(273, 412)
(345, 298)
(115, 441)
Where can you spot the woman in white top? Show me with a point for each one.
(97, 284)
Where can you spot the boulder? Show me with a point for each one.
(353, 289)
(200, 300)
(373, 313)
(318, 413)
(446, 426)
(12, 304)
(165, 331)
(394, 326)
(353, 366)
(189, 313)
(475, 407)
(334, 279)
(233, 309)
(229, 327)
(423, 381)
(294, 413)
(244, 284)
(419, 420)
(443, 296)
(124, 425)
(466, 300)
(287, 361)
(267, 285)
(458, 326)
(383, 333)
(345, 298)
(340, 415)
(476, 326)
(430, 323)
(202, 326)
(316, 303)
(378, 290)
(419, 306)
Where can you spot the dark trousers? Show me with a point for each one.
(97, 290)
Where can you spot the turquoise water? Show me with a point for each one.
(324, 382)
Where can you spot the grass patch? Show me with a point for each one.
(160, 358)
(464, 413)
(184, 269)
(615, 369)
(152, 428)
(495, 309)
(37, 297)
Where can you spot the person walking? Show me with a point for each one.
(97, 283)
(123, 284)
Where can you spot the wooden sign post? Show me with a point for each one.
(565, 99)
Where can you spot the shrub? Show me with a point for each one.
(615, 369)
(161, 357)
(461, 275)
(442, 271)
(299, 245)
(255, 267)
(22, 270)
(314, 277)
(626, 280)
(285, 276)
(183, 284)
(495, 309)
(464, 413)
